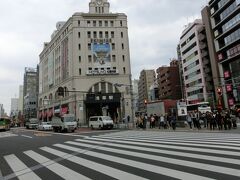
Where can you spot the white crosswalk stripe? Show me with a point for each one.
(7, 134)
(135, 155)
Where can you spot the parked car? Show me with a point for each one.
(32, 123)
(100, 122)
(45, 126)
(67, 123)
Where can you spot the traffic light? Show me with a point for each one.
(219, 91)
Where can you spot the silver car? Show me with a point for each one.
(45, 126)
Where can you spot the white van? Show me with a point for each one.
(100, 122)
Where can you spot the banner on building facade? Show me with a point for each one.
(101, 53)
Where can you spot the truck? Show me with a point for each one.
(161, 107)
(66, 123)
(32, 123)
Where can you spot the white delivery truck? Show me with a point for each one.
(66, 122)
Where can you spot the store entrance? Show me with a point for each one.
(107, 104)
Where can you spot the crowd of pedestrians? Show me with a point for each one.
(220, 119)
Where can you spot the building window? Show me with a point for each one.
(100, 23)
(100, 34)
(121, 24)
(89, 58)
(88, 23)
(124, 70)
(94, 23)
(121, 34)
(122, 46)
(79, 59)
(123, 58)
(79, 35)
(79, 46)
(114, 58)
(113, 46)
(112, 34)
(94, 34)
(106, 23)
(80, 71)
(79, 22)
(89, 46)
(106, 34)
(111, 23)
(89, 34)
(89, 68)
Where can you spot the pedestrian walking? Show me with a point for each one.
(189, 119)
(173, 122)
(162, 120)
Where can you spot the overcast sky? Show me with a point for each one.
(154, 30)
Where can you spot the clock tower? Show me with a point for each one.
(99, 7)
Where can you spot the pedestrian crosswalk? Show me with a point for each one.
(131, 155)
(6, 134)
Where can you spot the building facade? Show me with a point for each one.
(194, 69)
(14, 107)
(20, 99)
(168, 78)
(81, 65)
(224, 29)
(30, 93)
(146, 80)
(2, 112)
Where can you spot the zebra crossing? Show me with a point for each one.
(131, 155)
(6, 134)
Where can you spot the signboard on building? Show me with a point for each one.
(101, 53)
(102, 72)
(182, 108)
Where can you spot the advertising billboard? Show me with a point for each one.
(101, 53)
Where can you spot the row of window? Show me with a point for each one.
(192, 65)
(193, 74)
(190, 57)
(231, 23)
(229, 10)
(189, 39)
(195, 92)
(100, 23)
(233, 51)
(194, 83)
(189, 48)
(232, 37)
(222, 3)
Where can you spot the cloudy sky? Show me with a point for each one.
(154, 30)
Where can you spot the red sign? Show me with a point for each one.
(226, 74)
(229, 88)
(50, 112)
(64, 110)
(231, 102)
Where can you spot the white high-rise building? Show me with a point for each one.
(14, 107)
(85, 68)
(192, 64)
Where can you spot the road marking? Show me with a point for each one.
(27, 136)
(147, 167)
(169, 146)
(57, 168)
(20, 169)
(168, 152)
(115, 173)
(6, 134)
(203, 166)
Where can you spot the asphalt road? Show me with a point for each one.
(135, 154)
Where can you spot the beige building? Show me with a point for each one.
(85, 68)
(146, 80)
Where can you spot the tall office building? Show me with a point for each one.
(1, 110)
(14, 107)
(195, 64)
(30, 93)
(146, 80)
(85, 68)
(222, 19)
(20, 99)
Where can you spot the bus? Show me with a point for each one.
(5, 123)
(202, 107)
